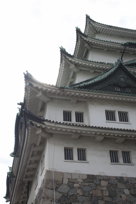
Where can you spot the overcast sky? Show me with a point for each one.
(31, 32)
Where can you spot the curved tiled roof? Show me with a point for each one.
(100, 81)
(86, 130)
(113, 30)
(98, 43)
(53, 91)
(82, 125)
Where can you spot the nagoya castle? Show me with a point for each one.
(75, 142)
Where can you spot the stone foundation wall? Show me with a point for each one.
(71, 188)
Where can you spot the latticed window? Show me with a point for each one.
(123, 116)
(79, 117)
(110, 115)
(114, 156)
(68, 153)
(126, 157)
(81, 154)
(67, 116)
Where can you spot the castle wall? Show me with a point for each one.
(78, 188)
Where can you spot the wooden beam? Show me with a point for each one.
(42, 97)
(120, 140)
(99, 138)
(75, 136)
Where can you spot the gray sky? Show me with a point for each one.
(31, 32)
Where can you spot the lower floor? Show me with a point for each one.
(75, 188)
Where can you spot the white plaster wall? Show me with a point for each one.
(98, 160)
(114, 38)
(82, 76)
(106, 56)
(94, 112)
(97, 113)
(55, 109)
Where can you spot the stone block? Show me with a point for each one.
(121, 185)
(80, 191)
(80, 180)
(123, 197)
(48, 202)
(67, 175)
(82, 176)
(57, 195)
(65, 180)
(97, 193)
(106, 198)
(133, 191)
(126, 191)
(86, 188)
(100, 202)
(48, 175)
(76, 185)
(75, 176)
(58, 176)
(49, 194)
(104, 183)
(83, 199)
(63, 188)
(105, 193)
(49, 184)
(72, 191)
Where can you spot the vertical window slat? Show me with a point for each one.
(79, 117)
(126, 157)
(114, 156)
(81, 154)
(110, 115)
(67, 116)
(68, 153)
(123, 116)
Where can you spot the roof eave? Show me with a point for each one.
(115, 30)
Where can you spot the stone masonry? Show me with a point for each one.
(74, 188)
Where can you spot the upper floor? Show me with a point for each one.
(93, 113)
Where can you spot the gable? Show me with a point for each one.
(117, 79)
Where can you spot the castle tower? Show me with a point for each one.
(75, 142)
